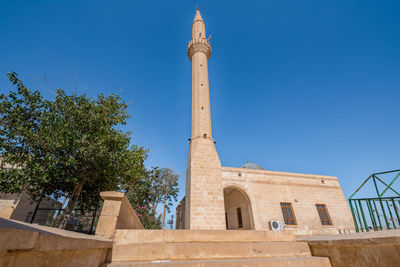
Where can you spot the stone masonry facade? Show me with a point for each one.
(219, 198)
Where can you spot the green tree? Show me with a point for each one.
(167, 185)
(139, 193)
(71, 146)
(158, 186)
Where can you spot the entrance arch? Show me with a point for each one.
(238, 212)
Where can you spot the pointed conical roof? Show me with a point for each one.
(198, 16)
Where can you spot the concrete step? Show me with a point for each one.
(206, 250)
(184, 236)
(277, 262)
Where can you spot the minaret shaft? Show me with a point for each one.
(199, 50)
(203, 175)
(201, 114)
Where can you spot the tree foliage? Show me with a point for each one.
(71, 146)
(157, 187)
(139, 194)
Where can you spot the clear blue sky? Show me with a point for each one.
(297, 86)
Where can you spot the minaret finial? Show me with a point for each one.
(198, 15)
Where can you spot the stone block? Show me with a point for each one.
(117, 213)
(23, 244)
(369, 249)
(286, 262)
(6, 212)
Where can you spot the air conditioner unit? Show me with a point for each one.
(275, 225)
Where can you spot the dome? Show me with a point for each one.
(253, 166)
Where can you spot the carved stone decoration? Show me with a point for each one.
(199, 45)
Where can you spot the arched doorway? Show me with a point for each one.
(238, 212)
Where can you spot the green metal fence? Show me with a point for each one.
(375, 213)
(380, 212)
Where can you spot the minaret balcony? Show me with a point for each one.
(199, 45)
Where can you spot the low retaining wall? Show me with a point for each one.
(117, 213)
(369, 249)
(200, 236)
(23, 244)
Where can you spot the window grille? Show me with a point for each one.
(288, 214)
(323, 214)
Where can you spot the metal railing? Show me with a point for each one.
(81, 220)
(380, 212)
(375, 213)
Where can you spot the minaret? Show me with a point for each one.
(199, 51)
(204, 208)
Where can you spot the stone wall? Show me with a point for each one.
(267, 189)
(235, 199)
(8, 203)
(23, 244)
(22, 207)
(180, 214)
(116, 213)
(204, 192)
(369, 249)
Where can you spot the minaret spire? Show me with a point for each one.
(198, 16)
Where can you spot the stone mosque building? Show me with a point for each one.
(248, 197)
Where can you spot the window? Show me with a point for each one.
(240, 220)
(323, 214)
(288, 214)
(226, 220)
